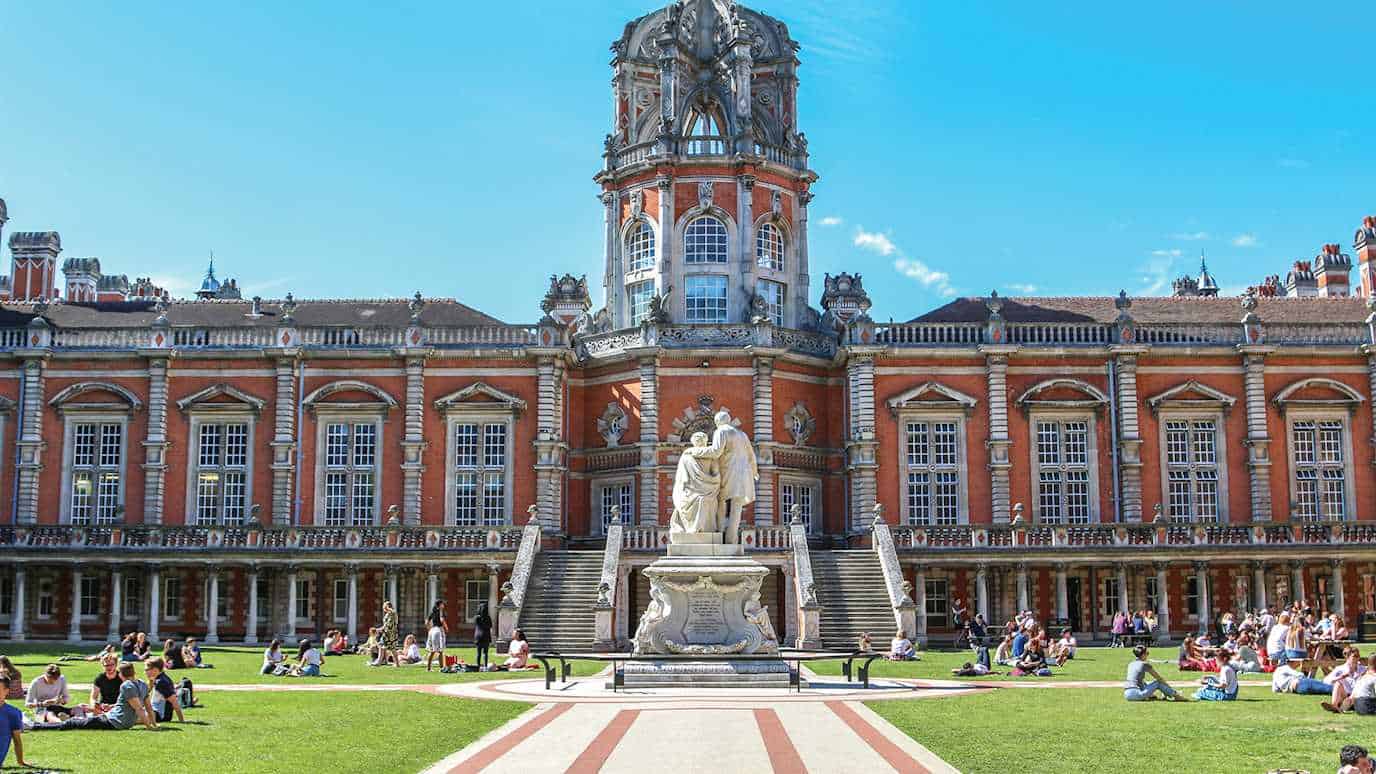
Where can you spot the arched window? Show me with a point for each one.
(640, 247)
(705, 133)
(769, 247)
(704, 241)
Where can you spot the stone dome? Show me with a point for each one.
(704, 30)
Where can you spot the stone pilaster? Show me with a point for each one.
(74, 621)
(665, 243)
(800, 299)
(745, 238)
(1370, 351)
(413, 442)
(1205, 603)
(1258, 440)
(1336, 583)
(17, 614)
(764, 439)
(1259, 585)
(30, 445)
(1023, 601)
(284, 441)
(982, 591)
(550, 449)
(861, 446)
(155, 443)
(1062, 593)
(212, 608)
(920, 600)
(1000, 464)
(251, 616)
(649, 439)
(1122, 574)
(1129, 433)
(1163, 602)
(112, 634)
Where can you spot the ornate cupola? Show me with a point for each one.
(706, 176)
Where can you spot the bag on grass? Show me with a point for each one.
(185, 695)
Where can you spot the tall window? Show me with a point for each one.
(1153, 593)
(705, 241)
(341, 599)
(97, 464)
(769, 247)
(1063, 467)
(172, 598)
(264, 589)
(612, 494)
(222, 473)
(773, 295)
(1192, 469)
(303, 599)
(802, 494)
(1109, 603)
(350, 473)
(705, 296)
(45, 597)
(938, 609)
(1320, 469)
(475, 594)
(133, 596)
(6, 596)
(480, 474)
(1192, 595)
(639, 295)
(640, 247)
(932, 461)
(90, 596)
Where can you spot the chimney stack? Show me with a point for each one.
(34, 264)
(1365, 246)
(1300, 281)
(1333, 270)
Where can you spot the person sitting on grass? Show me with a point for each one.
(308, 660)
(1353, 759)
(1136, 687)
(126, 647)
(47, 698)
(1222, 687)
(142, 648)
(1003, 654)
(1063, 649)
(370, 646)
(1289, 678)
(1032, 662)
(191, 651)
(327, 645)
(1247, 659)
(1296, 641)
(410, 651)
(173, 656)
(162, 694)
(105, 688)
(272, 658)
(901, 648)
(1020, 638)
(16, 687)
(11, 728)
(518, 653)
(1344, 679)
(1191, 658)
(864, 644)
(131, 707)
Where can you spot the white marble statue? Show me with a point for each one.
(739, 473)
(697, 485)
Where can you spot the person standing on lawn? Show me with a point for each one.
(1136, 687)
(11, 727)
(482, 635)
(391, 643)
(132, 706)
(435, 639)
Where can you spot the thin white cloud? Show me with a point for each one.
(875, 242)
(1021, 287)
(831, 220)
(177, 287)
(912, 268)
(1166, 253)
(1245, 240)
(1292, 163)
(1156, 273)
(1191, 236)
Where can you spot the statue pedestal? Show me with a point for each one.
(702, 544)
(705, 604)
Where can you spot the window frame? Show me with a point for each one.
(325, 415)
(931, 594)
(339, 600)
(45, 595)
(777, 261)
(631, 288)
(725, 251)
(476, 414)
(725, 298)
(598, 488)
(1220, 465)
(170, 612)
(71, 417)
(471, 601)
(132, 600)
(776, 312)
(813, 522)
(1108, 593)
(630, 233)
(304, 596)
(930, 417)
(1061, 416)
(92, 583)
(199, 418)
(7, 582)
(1320, 415)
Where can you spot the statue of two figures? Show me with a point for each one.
(714, 482)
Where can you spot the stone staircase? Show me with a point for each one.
(854, 598)
(558, 611)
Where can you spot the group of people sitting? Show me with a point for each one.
(118, 698)
(135, 647)
(1128, 626)
(901, 648)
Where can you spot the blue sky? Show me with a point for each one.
(351, 150)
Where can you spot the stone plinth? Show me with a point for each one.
(703, 544)
(707, 674)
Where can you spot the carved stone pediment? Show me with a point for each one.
(221, 397)
(1317, 392)
(1191, 394)
(931, 395)
(480, 395)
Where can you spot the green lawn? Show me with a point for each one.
(243, 732)
(1092, 664)
(238, 665)
(1094, 729)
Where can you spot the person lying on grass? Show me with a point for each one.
(1290, 678)
(1136, 687)
(1361, 697)
(1222, 687)
(162, 694)
(108, 650)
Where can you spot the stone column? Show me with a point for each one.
(212, 617)
(1337, 583)
(432, 587)
(1297, 582)
(74, 624)
(155, 443)
(549, 444)
(284, 442)
(1129, 437)
(1201, 574)
(1163, 605)
(1123, 605)
(1259, 585)
(763, 508)
(745, 242)
(920, 600)
(861, 446)
(291, 602)
(1258, 440)
(1062, 594)
(801, 255)
(611, 217)
(116, 604)
(413, 443)
(251, 622)
(666, 242)
(649, 438)
(982, 591)
(1000, 464)
(392, 589)
(351, 621)
(154, 601)
(1022, 589)
(30, 445)
(17, 616)
(494, 586)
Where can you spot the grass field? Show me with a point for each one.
(257, 732)
(1094, 729)
(239, 665)
(1089, 664)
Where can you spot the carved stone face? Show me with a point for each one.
(699, 439)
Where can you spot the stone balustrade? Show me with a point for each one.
(655, 538)
(1014, 538)
(693, 336)
(258, 539)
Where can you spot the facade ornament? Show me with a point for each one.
(801, 424)
(288, 310)
(776, 204)
(659, 307)
(705, 194)
(996, 329)
(697, 419)
(416, 304)
(844, 298)
(795, 515)
(637, 203)
(878, 515)
(393, 516)
(1251, 323)
(567, 298)
(1125, 328)
(612, 424)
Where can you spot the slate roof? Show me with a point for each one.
(1154, 309)
(357, 313)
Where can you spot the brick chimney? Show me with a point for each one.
(1300, 281)
(1333, 270)
(1365, 246)
(34, 264)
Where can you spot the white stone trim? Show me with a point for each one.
(1220, 454)
(1320, 414)
(327, 414)
(193, 454)
(931, 415)
(1056, 414)
(69, 422)
(480, 414)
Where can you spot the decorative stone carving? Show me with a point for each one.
(612, 424)
(705, 606)
(801, 424)
(567, 298)
(696, 419)
(705, 194)
(637, 203)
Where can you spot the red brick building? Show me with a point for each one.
(242, 469)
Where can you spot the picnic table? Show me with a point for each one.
(557, 664)
(1317, 647)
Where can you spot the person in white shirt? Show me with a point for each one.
(47, 697)
(308, 660)
(1362, 696)
(1224, 686)
(901, 648)
(272, 657)
(1275, 639)
(1289, 679)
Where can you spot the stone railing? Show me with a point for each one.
(258, 539)
(514, 590)
(247, 336)
(804, 587)
(904, 609)
(612, 343)
(644, 538)
(933, 334)
(966, 538)
(1060, 333)
(604, 637)
(697, 147)
(1166, 334)
(1335, 333)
